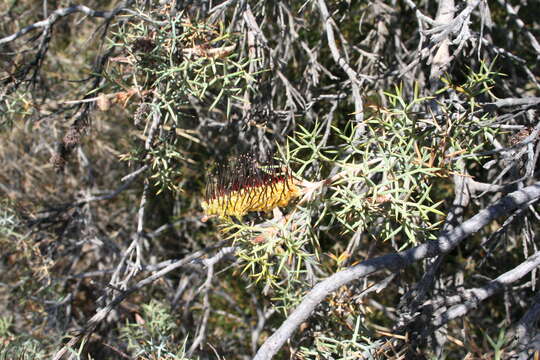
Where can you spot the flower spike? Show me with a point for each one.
(246, 185)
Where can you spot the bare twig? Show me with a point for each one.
(524, 101)
(353, 76)
(60, 13)
(101, 314)
(137, 237)
(203, 322)
(534, 43)
(473, 297)
(524, 331)
(441, 59)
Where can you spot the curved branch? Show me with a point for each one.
(474, 296)
(414, 297)
(524, 332)
(445, 243)
(55, 16)
(60, 13)
(353, 76)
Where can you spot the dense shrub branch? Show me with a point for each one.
(446, 242)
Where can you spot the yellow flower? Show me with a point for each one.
(247, 186)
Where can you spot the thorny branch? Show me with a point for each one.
(397, 261)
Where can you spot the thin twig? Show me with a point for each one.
(353, 76)
(60, 13)
(474, 296)
(103, 312)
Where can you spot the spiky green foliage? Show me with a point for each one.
(153, 334)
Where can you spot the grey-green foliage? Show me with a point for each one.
(358, 346)
(13, 343)
(17, 346)
(153, 335)
(8, 220)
